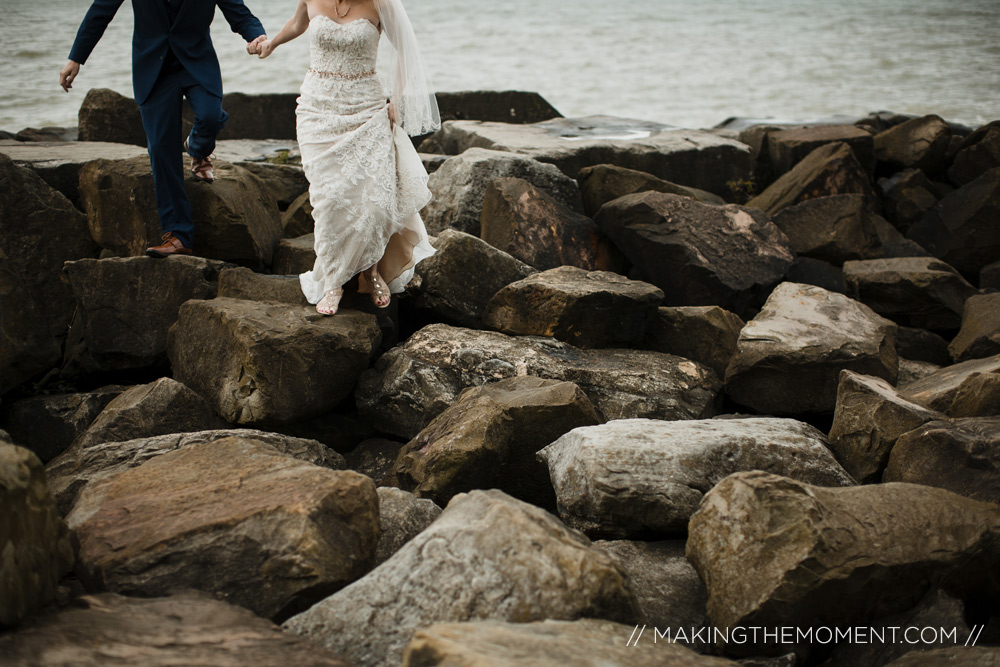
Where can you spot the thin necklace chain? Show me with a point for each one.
(337, 9)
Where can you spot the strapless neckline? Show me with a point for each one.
(343, 25)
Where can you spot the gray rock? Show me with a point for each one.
(962, 229)
(893, 243)
(287, 182)
(837, 228)
(907, 197)
(48, 424)
(706, 334)
(233, 517)
(402, 516)
(834, 556)
(487, 557)
(584, 308)
(416, 381)
(238, 219)
(294, 256)
(945, 388)
(127, 304)
(606, 182)
(818, 273)
(159, 408)
(953, 656)
(869, 419)
(502, 106)
(73, 470)
(690, 157)
(459, 186)
(260, 363)
(832, 169)
(525, 222)
(978, 153)
(668, 589)
(441, 282)
(922, 345)
(490, 437)
(35, 547)
(587, 643)
(185, 629)
(106, 115)
(375, 458)
(913, 371)
(788, 359)
(920, 143)
(989, 276)
(698, 254)
(242, 283)
(786, 148)
(635, 477)
(961, 455)
(913, 291)
(39, 230)
(980, 333)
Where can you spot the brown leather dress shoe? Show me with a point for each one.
(169, 245)
(201, 167)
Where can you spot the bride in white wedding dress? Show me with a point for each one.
(366, 181)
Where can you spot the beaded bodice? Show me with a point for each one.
(347, 49)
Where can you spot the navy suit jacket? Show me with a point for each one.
(188, 37)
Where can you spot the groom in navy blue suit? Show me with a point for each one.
(172, 58)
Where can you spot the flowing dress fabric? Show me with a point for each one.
(367, 183)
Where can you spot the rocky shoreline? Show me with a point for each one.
(686, 381)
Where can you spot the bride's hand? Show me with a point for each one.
(392, 114)
(253, 48)
(266, 48)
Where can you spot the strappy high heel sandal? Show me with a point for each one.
(330, 302)
(381, 296)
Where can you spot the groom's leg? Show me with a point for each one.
(209, 118)
(161, 118)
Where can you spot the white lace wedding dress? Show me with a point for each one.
(366, 181)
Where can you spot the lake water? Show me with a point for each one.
(685, 63)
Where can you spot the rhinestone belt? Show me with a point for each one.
(342, 75)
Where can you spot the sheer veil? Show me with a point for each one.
(402, 71)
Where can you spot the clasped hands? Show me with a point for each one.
(261, 47)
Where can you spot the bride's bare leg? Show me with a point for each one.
(330, 302)
(380, 291)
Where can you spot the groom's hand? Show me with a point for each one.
(68, 74)
(253, 48)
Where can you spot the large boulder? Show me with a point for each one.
(668, 589)
(294, 256)
(605, 182)
(962, 229)
(706, 334)
(689, 157)
(502, 106)
(189, 628)
(532, 226)
(786, 148)
(487, 557)
(286, 182)
(907, 196)
(106, 115)
(414, 382)
(441, 283)
(586, 643)
(49, 423)
(459, 186)
(261, 116)
(39, 230)
(81, 465)
(961, 455)
(636, 477)
(35, 548)
(490, 437)
(922, 345)
(920, 143)
(402, 516)
(242, 283)
(260, 363)
(954, 656)
(584, 308)
(948, 388)
(59, 162)
(238, 219)
(788, 359)
(919, 292)
(869, 419)
(832, 169)
(980, 333)
(978, 152)
(233, 517)
(127, 304)
(699, 254)
(837, 228)
(159, 408)
(835, 557)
